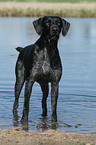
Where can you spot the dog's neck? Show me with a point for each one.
(49, 42)
(49, 47)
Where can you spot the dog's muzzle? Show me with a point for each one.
(54, 32)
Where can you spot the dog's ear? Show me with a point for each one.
(38, 25)
(65, 27)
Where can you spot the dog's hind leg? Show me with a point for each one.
(27, 94)
(19, 83)
(45, 90)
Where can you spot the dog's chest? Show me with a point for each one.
(45, 66)
(42, 62)
(45, 62)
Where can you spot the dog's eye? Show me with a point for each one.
(59, 23)
(47, 23)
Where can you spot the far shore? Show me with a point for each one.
(36, 9)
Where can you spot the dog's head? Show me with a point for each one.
(51, 26)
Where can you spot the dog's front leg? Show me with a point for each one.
(54, 97)
(28, 89)
(45, 89)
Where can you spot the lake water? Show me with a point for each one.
(77, 91)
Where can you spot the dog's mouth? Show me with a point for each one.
(55, 35)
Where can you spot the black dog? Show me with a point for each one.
(40, 62)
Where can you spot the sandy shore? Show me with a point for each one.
(39, 9)
(50, 137)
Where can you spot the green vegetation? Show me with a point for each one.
(37, 13)
(71, 1)
(69, 10)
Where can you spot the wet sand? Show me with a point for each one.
(50, 137)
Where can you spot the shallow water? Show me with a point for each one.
(77, 89)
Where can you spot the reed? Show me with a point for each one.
(36, 9)
(38, 12)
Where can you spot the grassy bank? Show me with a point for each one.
(35, 9)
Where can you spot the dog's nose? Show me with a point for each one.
(54, 29)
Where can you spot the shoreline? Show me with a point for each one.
(37, 9)
(49, 137)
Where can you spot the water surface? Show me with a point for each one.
(77, 89)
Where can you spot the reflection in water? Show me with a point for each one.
(18, 125)
(77, 89)
(43, 125)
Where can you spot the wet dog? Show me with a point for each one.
(41, 63)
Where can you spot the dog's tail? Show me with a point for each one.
(19, 49)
